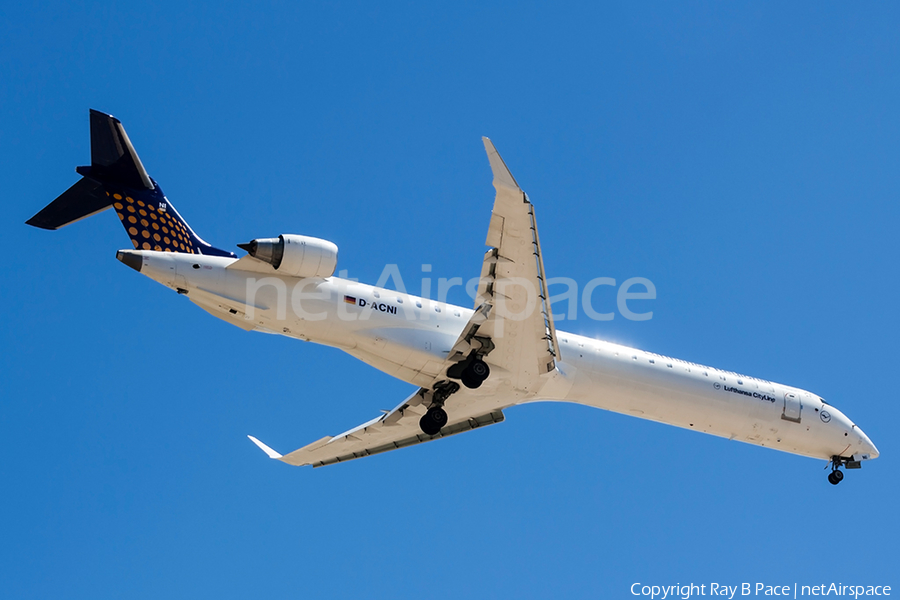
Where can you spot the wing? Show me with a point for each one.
(520, 323)
(511, 329)
(396, 429)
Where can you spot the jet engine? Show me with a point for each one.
(295, 255)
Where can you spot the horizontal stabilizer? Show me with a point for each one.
(116, 177)
(271, 453)
(82, 200)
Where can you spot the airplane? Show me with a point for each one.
(468, 364)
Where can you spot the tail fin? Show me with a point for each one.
(117, 178)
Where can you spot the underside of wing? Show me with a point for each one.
(395, 429)
(513, 283)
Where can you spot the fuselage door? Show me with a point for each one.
(792, 407)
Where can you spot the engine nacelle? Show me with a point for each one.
(296, 255)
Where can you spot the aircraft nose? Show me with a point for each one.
(866, 445)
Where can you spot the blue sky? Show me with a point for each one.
(743, 157)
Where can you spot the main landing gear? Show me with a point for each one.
(472, 371)
(434, 420)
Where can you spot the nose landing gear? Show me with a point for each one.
(835, 477)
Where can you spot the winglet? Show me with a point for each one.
(502, 176)
(264, 448)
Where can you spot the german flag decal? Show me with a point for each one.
(349, 299)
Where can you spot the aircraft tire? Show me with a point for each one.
(433, 421)
(480, 369)
(470, 380)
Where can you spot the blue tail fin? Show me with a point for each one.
(117, 178)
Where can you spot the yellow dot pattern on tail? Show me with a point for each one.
(152, 227)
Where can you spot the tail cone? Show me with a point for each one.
(132, 259)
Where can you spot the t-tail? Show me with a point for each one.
(117, 178)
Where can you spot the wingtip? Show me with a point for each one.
(502, 174)
(271, 453)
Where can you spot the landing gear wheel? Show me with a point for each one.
(433, 421)
(470, 380)
(835, 477)
(480, 369)
(473, 375)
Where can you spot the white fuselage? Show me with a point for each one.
(409, 337)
